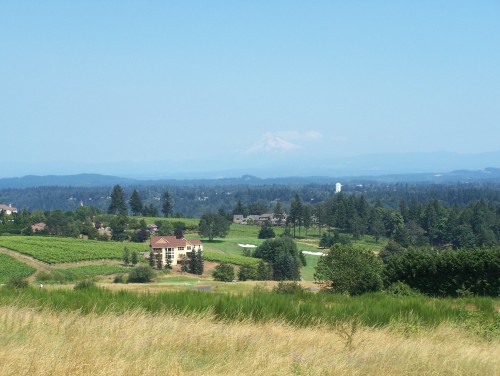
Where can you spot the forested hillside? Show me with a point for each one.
(198, 199)
(458, 216)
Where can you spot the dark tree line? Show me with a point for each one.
(456, 216)
(194, 200)
(434, 224)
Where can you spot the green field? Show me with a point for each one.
(191, 223)
(229, 258)
(53, 250)
(81, 272)
(246, 234)
(10, 267)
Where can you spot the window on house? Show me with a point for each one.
(180, 248)
(170, 253)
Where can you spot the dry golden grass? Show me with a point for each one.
(67, 343)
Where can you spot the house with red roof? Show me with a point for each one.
(172, 248)
(37, 227)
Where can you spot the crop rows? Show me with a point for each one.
(10, 267)
(231, 259)
(54, 250)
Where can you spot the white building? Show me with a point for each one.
(172, 248)
(338, 187)
(7, 209)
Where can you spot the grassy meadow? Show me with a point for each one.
(140, 343)
(99, 332)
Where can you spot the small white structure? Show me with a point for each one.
(338, 187)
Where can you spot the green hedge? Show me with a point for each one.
(447, 273)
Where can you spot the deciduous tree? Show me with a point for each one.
(349, 270)
(213, 225)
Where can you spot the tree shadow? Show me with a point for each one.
(214, 241)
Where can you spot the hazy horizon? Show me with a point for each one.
(356, 166)
(129, 88)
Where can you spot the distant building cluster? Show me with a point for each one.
(259, 219)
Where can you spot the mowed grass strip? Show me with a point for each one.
(10, 267)
(53, 250)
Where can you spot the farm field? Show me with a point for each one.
(53, 250)
(189, 222)
(57, 250)
(10, 267)
(62, 275)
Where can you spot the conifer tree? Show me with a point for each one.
(151, 259)
(166, 207)
(199, 263)
(135, 202)
(118, 204)
(134, 259)
(126, 256)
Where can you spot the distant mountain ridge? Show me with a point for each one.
(97, 180)
(79, 180)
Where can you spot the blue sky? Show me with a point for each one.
(238, 84)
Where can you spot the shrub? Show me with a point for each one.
(401, 289)
(223, 272)
(247, 272)
(289, 288)
(120, 278)
(141, 274)
(54, 276)
(85, 284)
(17, 282)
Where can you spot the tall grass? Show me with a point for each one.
(49, 342)
(301, 310)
